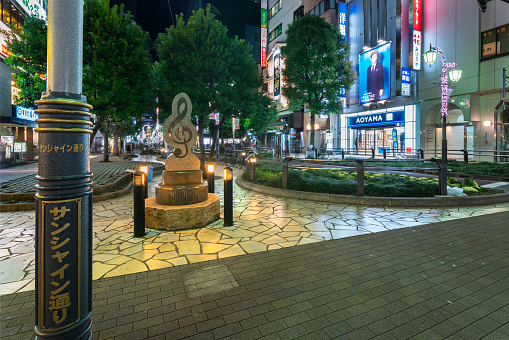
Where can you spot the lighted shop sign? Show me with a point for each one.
(26, 114)
(417, 38)
(417, 15)
(277, 74)
(377, 119)
(20, 147)
(263, 40)
(405, 81)
(342, 19)
(264, 47)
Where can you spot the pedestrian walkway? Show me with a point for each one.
(261, 223)
(445, 280)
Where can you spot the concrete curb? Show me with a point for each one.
(27, 206)
(433, 202)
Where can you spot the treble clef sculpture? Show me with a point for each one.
(180, 134)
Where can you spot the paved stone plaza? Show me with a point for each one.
(418, 279)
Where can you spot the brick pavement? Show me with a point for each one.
(445, 280)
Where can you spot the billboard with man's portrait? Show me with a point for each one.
(375, 74)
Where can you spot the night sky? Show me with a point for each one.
(153, 15)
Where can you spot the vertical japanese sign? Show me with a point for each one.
(342, 20)
(60, 249)
(417, 38)
(263, 42)
(277, 74)
(394, 139)
(405, 81)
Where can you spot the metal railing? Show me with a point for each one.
(360, 168)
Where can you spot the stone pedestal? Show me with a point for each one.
(180, 217)
(181, 188)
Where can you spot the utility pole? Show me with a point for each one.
(63, 229)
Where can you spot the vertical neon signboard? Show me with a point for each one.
(417, 38)
(263, 40)
(342, 20)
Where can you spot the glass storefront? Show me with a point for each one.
(390, 138)
(502, 129)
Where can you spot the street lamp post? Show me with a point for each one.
(455, 75)
(63, 227)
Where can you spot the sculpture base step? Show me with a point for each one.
(181, 194)
(165, 217)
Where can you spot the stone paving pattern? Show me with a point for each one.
(261, 223)
(445, 280)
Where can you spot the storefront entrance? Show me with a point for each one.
(390, 138)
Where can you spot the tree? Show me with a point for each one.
(262, 112)
(28, 46)
(117, 65)
(316, 67)
(217, 72)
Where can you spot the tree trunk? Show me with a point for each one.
(215, 139)
(115, 140)
(97, 126)
(312, 137)
(106, 157)
(200, 140)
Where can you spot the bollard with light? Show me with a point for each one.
(228, 196)
(139, 203)
(210, 177)
(252, 170)
(144, 170)
(455, 75)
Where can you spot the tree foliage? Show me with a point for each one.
(28, 46)
(117, 65)
(316, 66)
(217, 72)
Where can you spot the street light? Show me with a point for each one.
(455, 75)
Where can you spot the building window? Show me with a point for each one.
(299, 12)
(274, 9)
(322, 7)
(6, 11)
(495, 42)
(276, 32)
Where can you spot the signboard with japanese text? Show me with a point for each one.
(405, 81)
(417, 38)
(417, 15)
(60, 251)
(235, 123)
(20, 147)
(263, 40)
(277, 74)
(264, 47)
(342, 20)
(4, 51)
(394, 139)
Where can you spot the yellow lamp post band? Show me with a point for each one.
(73, 130)
(65, 121)
(63, 102)
(65, 112)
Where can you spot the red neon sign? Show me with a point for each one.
(5, 50)
(417, 14)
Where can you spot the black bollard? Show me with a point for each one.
(342, 153)
(144, 170)
(252, 174)
(228, 196)
(139, 204)
(372, 153)
(384, 151)
(210, 177)
(465, 156)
